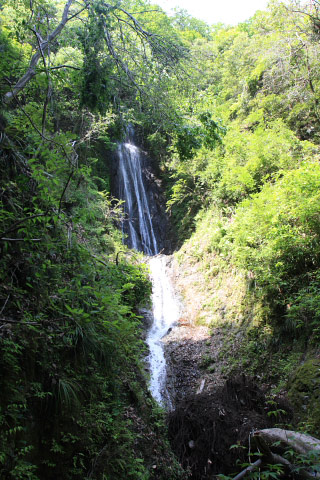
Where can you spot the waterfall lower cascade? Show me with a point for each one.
(166, 312)
(139, 225)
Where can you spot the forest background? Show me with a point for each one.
(231, 117)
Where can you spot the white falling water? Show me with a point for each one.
(132, 190)
(142, 237)
(165, 311)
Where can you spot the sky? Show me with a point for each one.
(229, 12)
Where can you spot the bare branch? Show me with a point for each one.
(147, 11)
(77, 13)
(157, 43)
(18, 223)
(116, 57)
(249, 469)
(49, 89)
(64, 190)
(45, 106)
(99, 260)
(42, 49)
(52, 141)
(5, 239)
(9, 320)
(30, 119)
(64, 66)
(39, 42)
(5, 304)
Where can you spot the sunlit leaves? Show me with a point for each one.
(276, 233)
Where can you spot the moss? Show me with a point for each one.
(206, 361)
(304, 394)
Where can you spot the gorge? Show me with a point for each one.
(135, 144)
(196, 403)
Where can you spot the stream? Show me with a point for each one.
(165, 312)
(139, 227)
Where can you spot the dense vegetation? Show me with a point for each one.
(73, 386)
(232, 116)
(252, 196)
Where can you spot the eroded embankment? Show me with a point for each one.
(213, 408)
(204, 426)
(197, 360)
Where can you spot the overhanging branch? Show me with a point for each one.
(42, 50)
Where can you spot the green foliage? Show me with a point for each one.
(69, 346)
(236, 131)
(98, 67)
(304, 307)
(73, 345)
(190, 138)
(275, 234)
(190, 28)
(252, 195)
(73, 386)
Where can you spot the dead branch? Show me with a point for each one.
(9, 320)
(43, 137)
(267, 439)
(49, 89)
(6, 239)
(156, 42)
(99, 260)
(29, 117)
(117, 256)
(120, 64)
(5, 304)
(249, 469)
(64, 66)
(65, 189)
(159, 46)
(299, 442)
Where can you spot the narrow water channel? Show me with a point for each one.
(165, 310)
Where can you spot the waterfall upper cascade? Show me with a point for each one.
(145, 223)
(146, 234)
(133, 191)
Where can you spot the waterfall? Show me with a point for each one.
(132, 190)
(143, 234)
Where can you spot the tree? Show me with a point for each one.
(119, 29)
